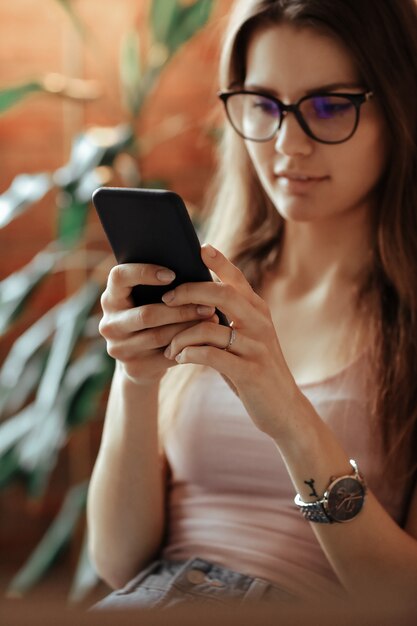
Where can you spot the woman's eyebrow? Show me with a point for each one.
(335, 86)
(326, 87)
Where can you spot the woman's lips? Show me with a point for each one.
(298, 183)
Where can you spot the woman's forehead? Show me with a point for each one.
(285, 58)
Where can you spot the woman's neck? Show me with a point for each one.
(313, 295)
(335, 251)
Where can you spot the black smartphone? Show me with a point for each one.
(152, 226)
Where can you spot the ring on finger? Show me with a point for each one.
(232, 338)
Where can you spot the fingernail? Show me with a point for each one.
(165, 276)
(205, 310)
(179, 357)
(168, 296)
(210, 250)
(167, 352)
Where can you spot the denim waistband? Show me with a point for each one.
(166, 583)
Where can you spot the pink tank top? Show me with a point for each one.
(231, 500)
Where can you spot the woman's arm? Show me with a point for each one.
(126, 495)
(371, 554)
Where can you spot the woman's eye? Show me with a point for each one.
(266, 106)
(325, 108)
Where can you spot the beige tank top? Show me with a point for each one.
(231, 500)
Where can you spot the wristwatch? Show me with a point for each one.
(341, 502)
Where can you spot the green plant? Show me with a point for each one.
(55, 373)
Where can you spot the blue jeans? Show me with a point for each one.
(167, 583)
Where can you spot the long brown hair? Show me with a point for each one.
(381, 36)
(382, 39)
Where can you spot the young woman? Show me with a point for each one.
(312, 390)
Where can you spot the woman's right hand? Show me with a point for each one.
(137, 336)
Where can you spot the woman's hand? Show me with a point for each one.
(137, 336)
(254, 363)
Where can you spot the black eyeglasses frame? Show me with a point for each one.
(357, 99)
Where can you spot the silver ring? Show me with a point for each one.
(232, 338)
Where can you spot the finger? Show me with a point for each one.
(124, 277)
(137, 345)
(221, 360)
(226, 271)
(150, 364)
(149, 316)
(202, 334)
(223, 296)
(230, 295)
(220, 337)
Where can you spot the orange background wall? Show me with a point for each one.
(35, 136)
(37, 38)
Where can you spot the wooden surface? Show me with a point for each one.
(21, 614)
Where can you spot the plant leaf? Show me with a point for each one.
(22, 353)
(85, 578)
(71, 221)
(173, 23)
(85, 382)
(9, 466)
(163, 16)
(69, 9)
(87, 184)
(98, 146)
(71, 319)
(36, 481)
(115, 140)
(16, 288)
(11, 96)
(86, 155)
(15, 429)
(55, 538)
(25, 190)
(131, 73)
(38, 432)
(38, 448)
(13, 398)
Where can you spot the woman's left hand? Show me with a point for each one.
(254, 362)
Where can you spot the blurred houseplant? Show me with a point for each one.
(53, 377)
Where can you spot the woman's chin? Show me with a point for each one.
(296, 210)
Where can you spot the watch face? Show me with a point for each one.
(345, 499)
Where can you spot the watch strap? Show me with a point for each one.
(317, 511)
(313, 511)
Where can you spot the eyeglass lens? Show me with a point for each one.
(329, 118)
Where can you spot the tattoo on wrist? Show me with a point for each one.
(310, 483)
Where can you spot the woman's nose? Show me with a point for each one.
(291, 139)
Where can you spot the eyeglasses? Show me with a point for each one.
(325, 117)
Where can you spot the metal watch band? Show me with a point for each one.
(350, 499)
(313, 511)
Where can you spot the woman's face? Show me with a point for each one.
(289, 63)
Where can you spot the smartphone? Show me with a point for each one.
(152, 226)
